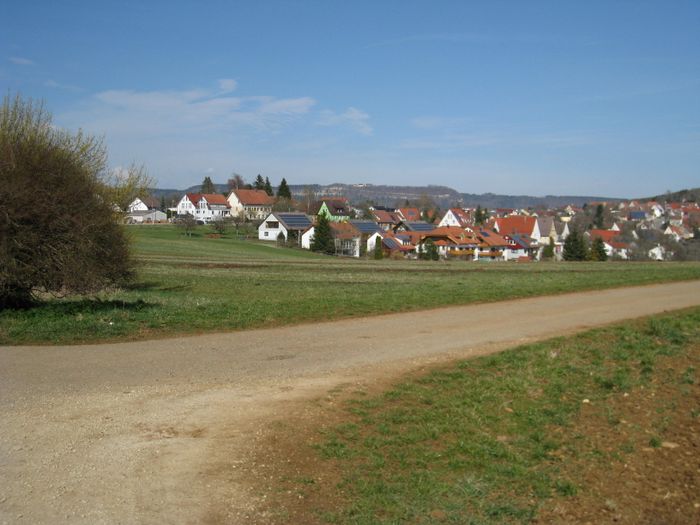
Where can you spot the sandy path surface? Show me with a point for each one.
(161, 431)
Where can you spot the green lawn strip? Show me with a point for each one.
(480, 442)
(200, 284)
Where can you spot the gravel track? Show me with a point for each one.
(162, 431)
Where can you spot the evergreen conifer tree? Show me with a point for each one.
(570, 246)
(283, 191)
(430, 251)
(575, 247)
(268, 187)
(598, 250)
(378, 251)
(259, 183)
(208, 186)
(323, 237)
(598, 221)
(548, 252)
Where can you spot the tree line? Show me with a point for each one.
(237, 182)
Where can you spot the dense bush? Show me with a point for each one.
(59, 232)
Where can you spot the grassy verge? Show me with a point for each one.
(505, 438)
(199, 284)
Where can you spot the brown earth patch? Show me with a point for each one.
(634, 459)
(640, 462)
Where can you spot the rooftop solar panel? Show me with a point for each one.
(366, 226)
(420, 226)
(294, 220)
(390, 243)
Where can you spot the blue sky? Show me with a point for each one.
(521, 97)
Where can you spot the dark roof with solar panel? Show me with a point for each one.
(366, 226)
(390, 243)
(294, 221)
(419, 226)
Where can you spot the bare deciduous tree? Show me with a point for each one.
(236, 182)
(188, 224)
(123, 185)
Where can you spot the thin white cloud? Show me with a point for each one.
(353, 118)
(179, 134)
(21, 61)
(184, 112)
(288, 106)
(227, 85)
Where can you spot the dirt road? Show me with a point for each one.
(160, 432)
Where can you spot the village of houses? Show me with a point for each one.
(463, 233)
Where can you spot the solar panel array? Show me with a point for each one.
(366, 226)
(390, 243)
(420, 226)
(296, 221)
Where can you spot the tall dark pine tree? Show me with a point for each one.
(283, 191)
(323, 237)
(570, 246)
(598, 252)
(208, 186)
(599, 219)
(378, 250)
(575, 247)
(268, 187)
(479, 216)
(259, 183)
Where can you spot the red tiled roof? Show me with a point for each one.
(619, 245)
(211, 198)
(254, 197)
(606, 235)
(454, 234)
(409, 214)
(491, 238)
(516, 224)
(385, 217)
(194, 197)
(344, 230)
(216, 198)
(446, 230)
(411, 237)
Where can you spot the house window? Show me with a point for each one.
(266, 233)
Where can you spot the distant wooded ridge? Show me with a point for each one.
(443, 196)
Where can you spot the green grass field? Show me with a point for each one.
(199, 284)
(498, 439)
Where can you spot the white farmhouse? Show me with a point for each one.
(205, 207)
(143, 204)
(286, 223)
(144, 210)
(455, 217)
(254, 205)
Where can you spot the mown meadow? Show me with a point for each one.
(189, 285)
